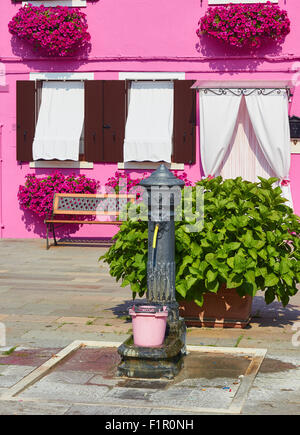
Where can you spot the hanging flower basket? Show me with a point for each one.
(56, 31)
(243, 25)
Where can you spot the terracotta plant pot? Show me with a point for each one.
(225, 309)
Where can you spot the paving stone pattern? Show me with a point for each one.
(50, 298)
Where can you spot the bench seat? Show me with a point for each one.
(81, 204)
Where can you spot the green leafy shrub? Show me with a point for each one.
(249, 241)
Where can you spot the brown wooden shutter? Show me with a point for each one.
(93, 120)
(113, 120)
(104, 120)
(25, 119)
(184, 134)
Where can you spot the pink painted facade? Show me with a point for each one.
(135, 36)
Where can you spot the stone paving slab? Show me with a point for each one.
(77, 320)
(106, 410)
(28, 318)
(13, 374)
(66, 393)
(20, 407)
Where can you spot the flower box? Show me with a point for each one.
(241, 25)
(56, 31)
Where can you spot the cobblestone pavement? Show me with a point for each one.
(50, 298)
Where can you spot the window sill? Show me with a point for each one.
(295, 147)
(222, 2)
(61, 165)
(150, 165)
(69, 3)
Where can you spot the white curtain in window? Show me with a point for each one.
(218, 115)
(269, 117)
(244, 157)
(60, 121)
(149, 126)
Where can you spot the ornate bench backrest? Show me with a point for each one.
(90, 204)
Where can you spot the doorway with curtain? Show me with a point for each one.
(245, 132)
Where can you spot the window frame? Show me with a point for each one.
(40, 78)
(130, 77)
(53, 3)
(38, 101)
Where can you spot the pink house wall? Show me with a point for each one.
(134, 35)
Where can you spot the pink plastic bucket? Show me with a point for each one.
(149, 325)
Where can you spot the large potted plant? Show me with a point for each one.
(249, 242)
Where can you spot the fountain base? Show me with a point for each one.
(154, 362)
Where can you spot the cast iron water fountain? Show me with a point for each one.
(164, 194)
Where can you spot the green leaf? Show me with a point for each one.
(209, 257)
(230, 262)
(239, 263)
(248, 239)
(205, 243)
(271, 280)
(234, 280)
(199, 300)
(250, 288)
(181, 288)
(233, 246)
(288, 279)
(195, 249)
(259, 244)
(187, 260)
(269, 296)
(272, 251)
(135, 287)
(253, 253)
(284, 266)
(193, 270)
(190, 281)
(250, 276)
(211, 276)
(263, 254)
(213, 286)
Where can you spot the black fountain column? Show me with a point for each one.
(163, 194)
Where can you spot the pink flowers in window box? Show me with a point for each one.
(57, 31)
(37, 193)
(242, 25)
(123, 183)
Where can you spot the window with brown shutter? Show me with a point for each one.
(29, 97)
(105, 119)
(184, 133)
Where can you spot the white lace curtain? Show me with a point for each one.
(269, 119)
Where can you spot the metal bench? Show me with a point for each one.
(85, 205)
